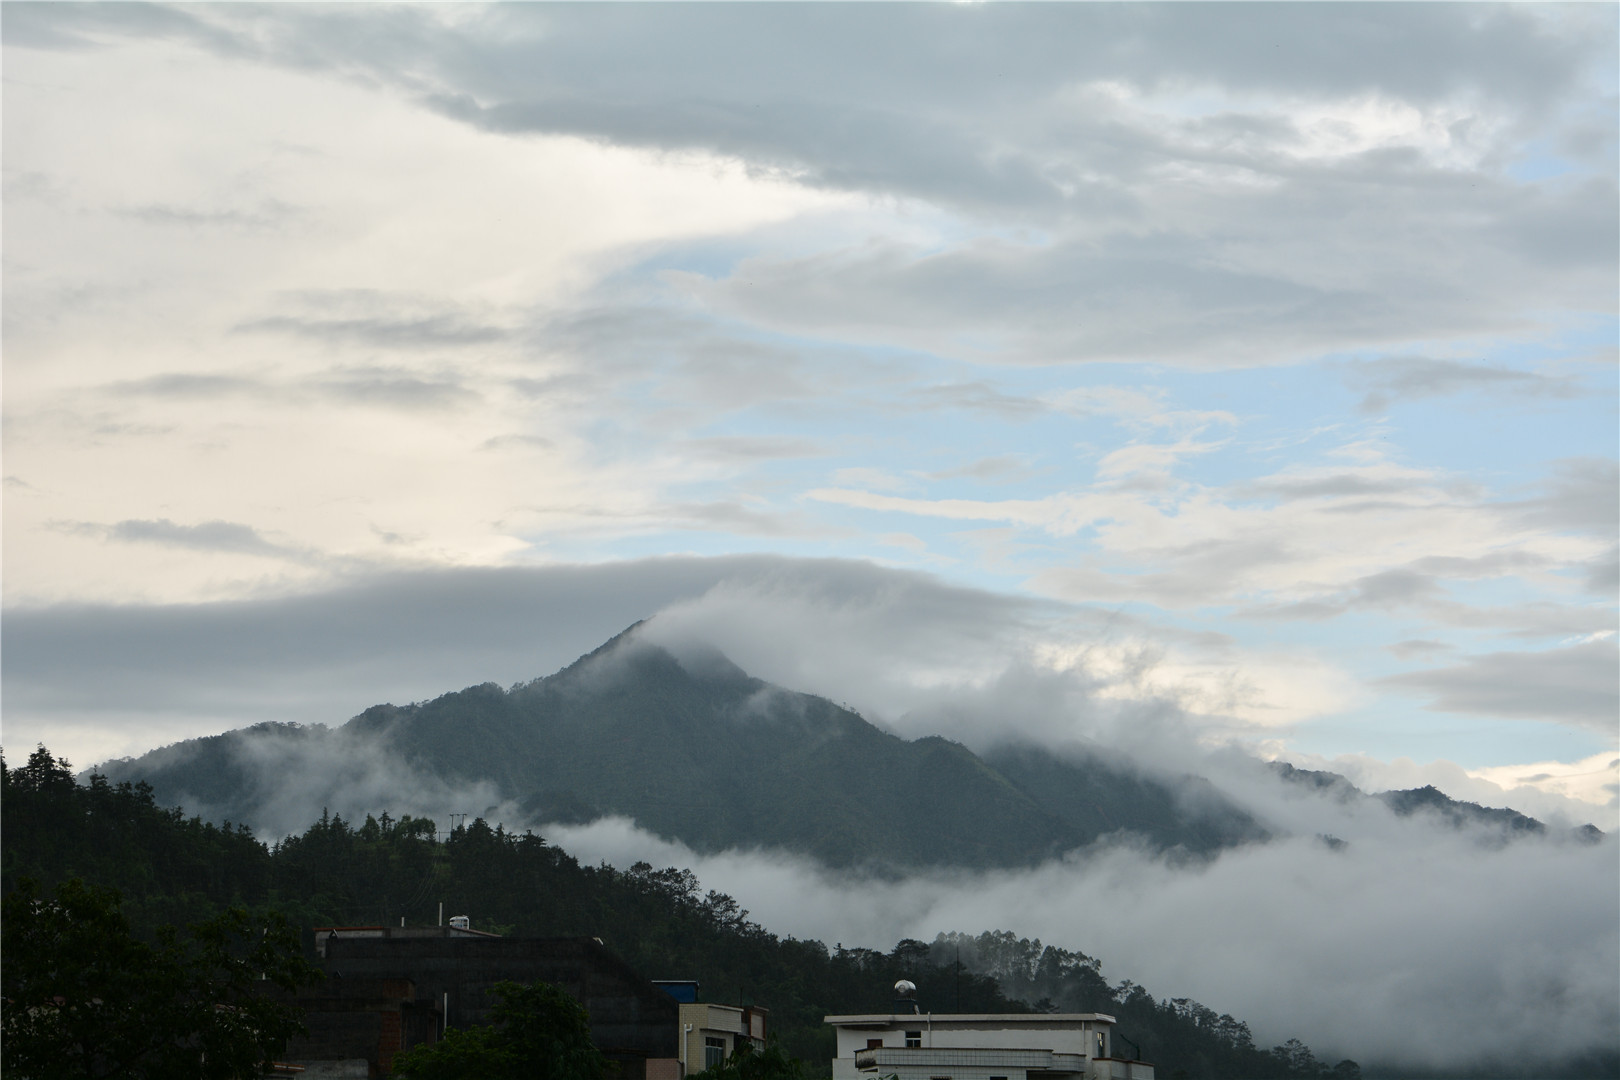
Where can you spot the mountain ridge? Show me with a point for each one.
(696, 750)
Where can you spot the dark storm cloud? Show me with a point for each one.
(1577, 684)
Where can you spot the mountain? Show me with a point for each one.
(1505, 824)
(696, 750)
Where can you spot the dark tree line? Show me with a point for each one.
(172, 869)
(1184, 1036)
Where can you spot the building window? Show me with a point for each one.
(874, 1044)
(714, 1052)
(914, 1041)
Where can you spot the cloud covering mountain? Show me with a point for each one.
(1397, 926)
(1201, 383)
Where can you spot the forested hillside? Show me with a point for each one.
(696, 750)
(173, 868)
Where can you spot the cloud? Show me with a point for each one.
(517, 442)
(1304, 543)
(1476, 954)
(187, 386)
(1392, 379)
(394, 388)
(977, 396)
(1139, 408)
(1178, 178)
(428, 332)
(1578, 684)
(1582, 494)
(211, 536)
(910, 651)
(1417, 648)
(322, 657)
(293, 769)
(732, 448)
(832, 108)
(1561, 794)
(996, 467)
(1482, 951)
(271, 214)
(1594, 780)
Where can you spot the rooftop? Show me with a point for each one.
(998, 1019)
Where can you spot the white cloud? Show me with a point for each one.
(1576, 684)
(1416, 945)
(326, 378)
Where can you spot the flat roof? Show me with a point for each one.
(890, 1019)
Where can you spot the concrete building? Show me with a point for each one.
(914, 1045)
(710, 1033)
(354, 1027)
(452, 968)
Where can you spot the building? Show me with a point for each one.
(913, 1045)
(710, 1033)
(452, 968)
(354, 1027)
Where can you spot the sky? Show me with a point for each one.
(1203, 381)
(1281, 339)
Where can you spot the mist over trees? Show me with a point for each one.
(171, 868)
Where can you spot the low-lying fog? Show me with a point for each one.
(1413, 942)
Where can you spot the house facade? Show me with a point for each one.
(710, 1032)
(980, 1046)
(452, 968)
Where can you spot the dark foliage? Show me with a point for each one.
(747, 1063)
(660, 920)
(1181, 1036)
(538, 1030)
(696, 749)
(85, 998)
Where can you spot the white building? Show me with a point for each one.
(980, 1046)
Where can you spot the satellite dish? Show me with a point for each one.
(905, 988)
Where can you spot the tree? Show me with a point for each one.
(539, 1031)
(84, 998)
(748, 1063)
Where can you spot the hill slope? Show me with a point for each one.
(696, 750)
